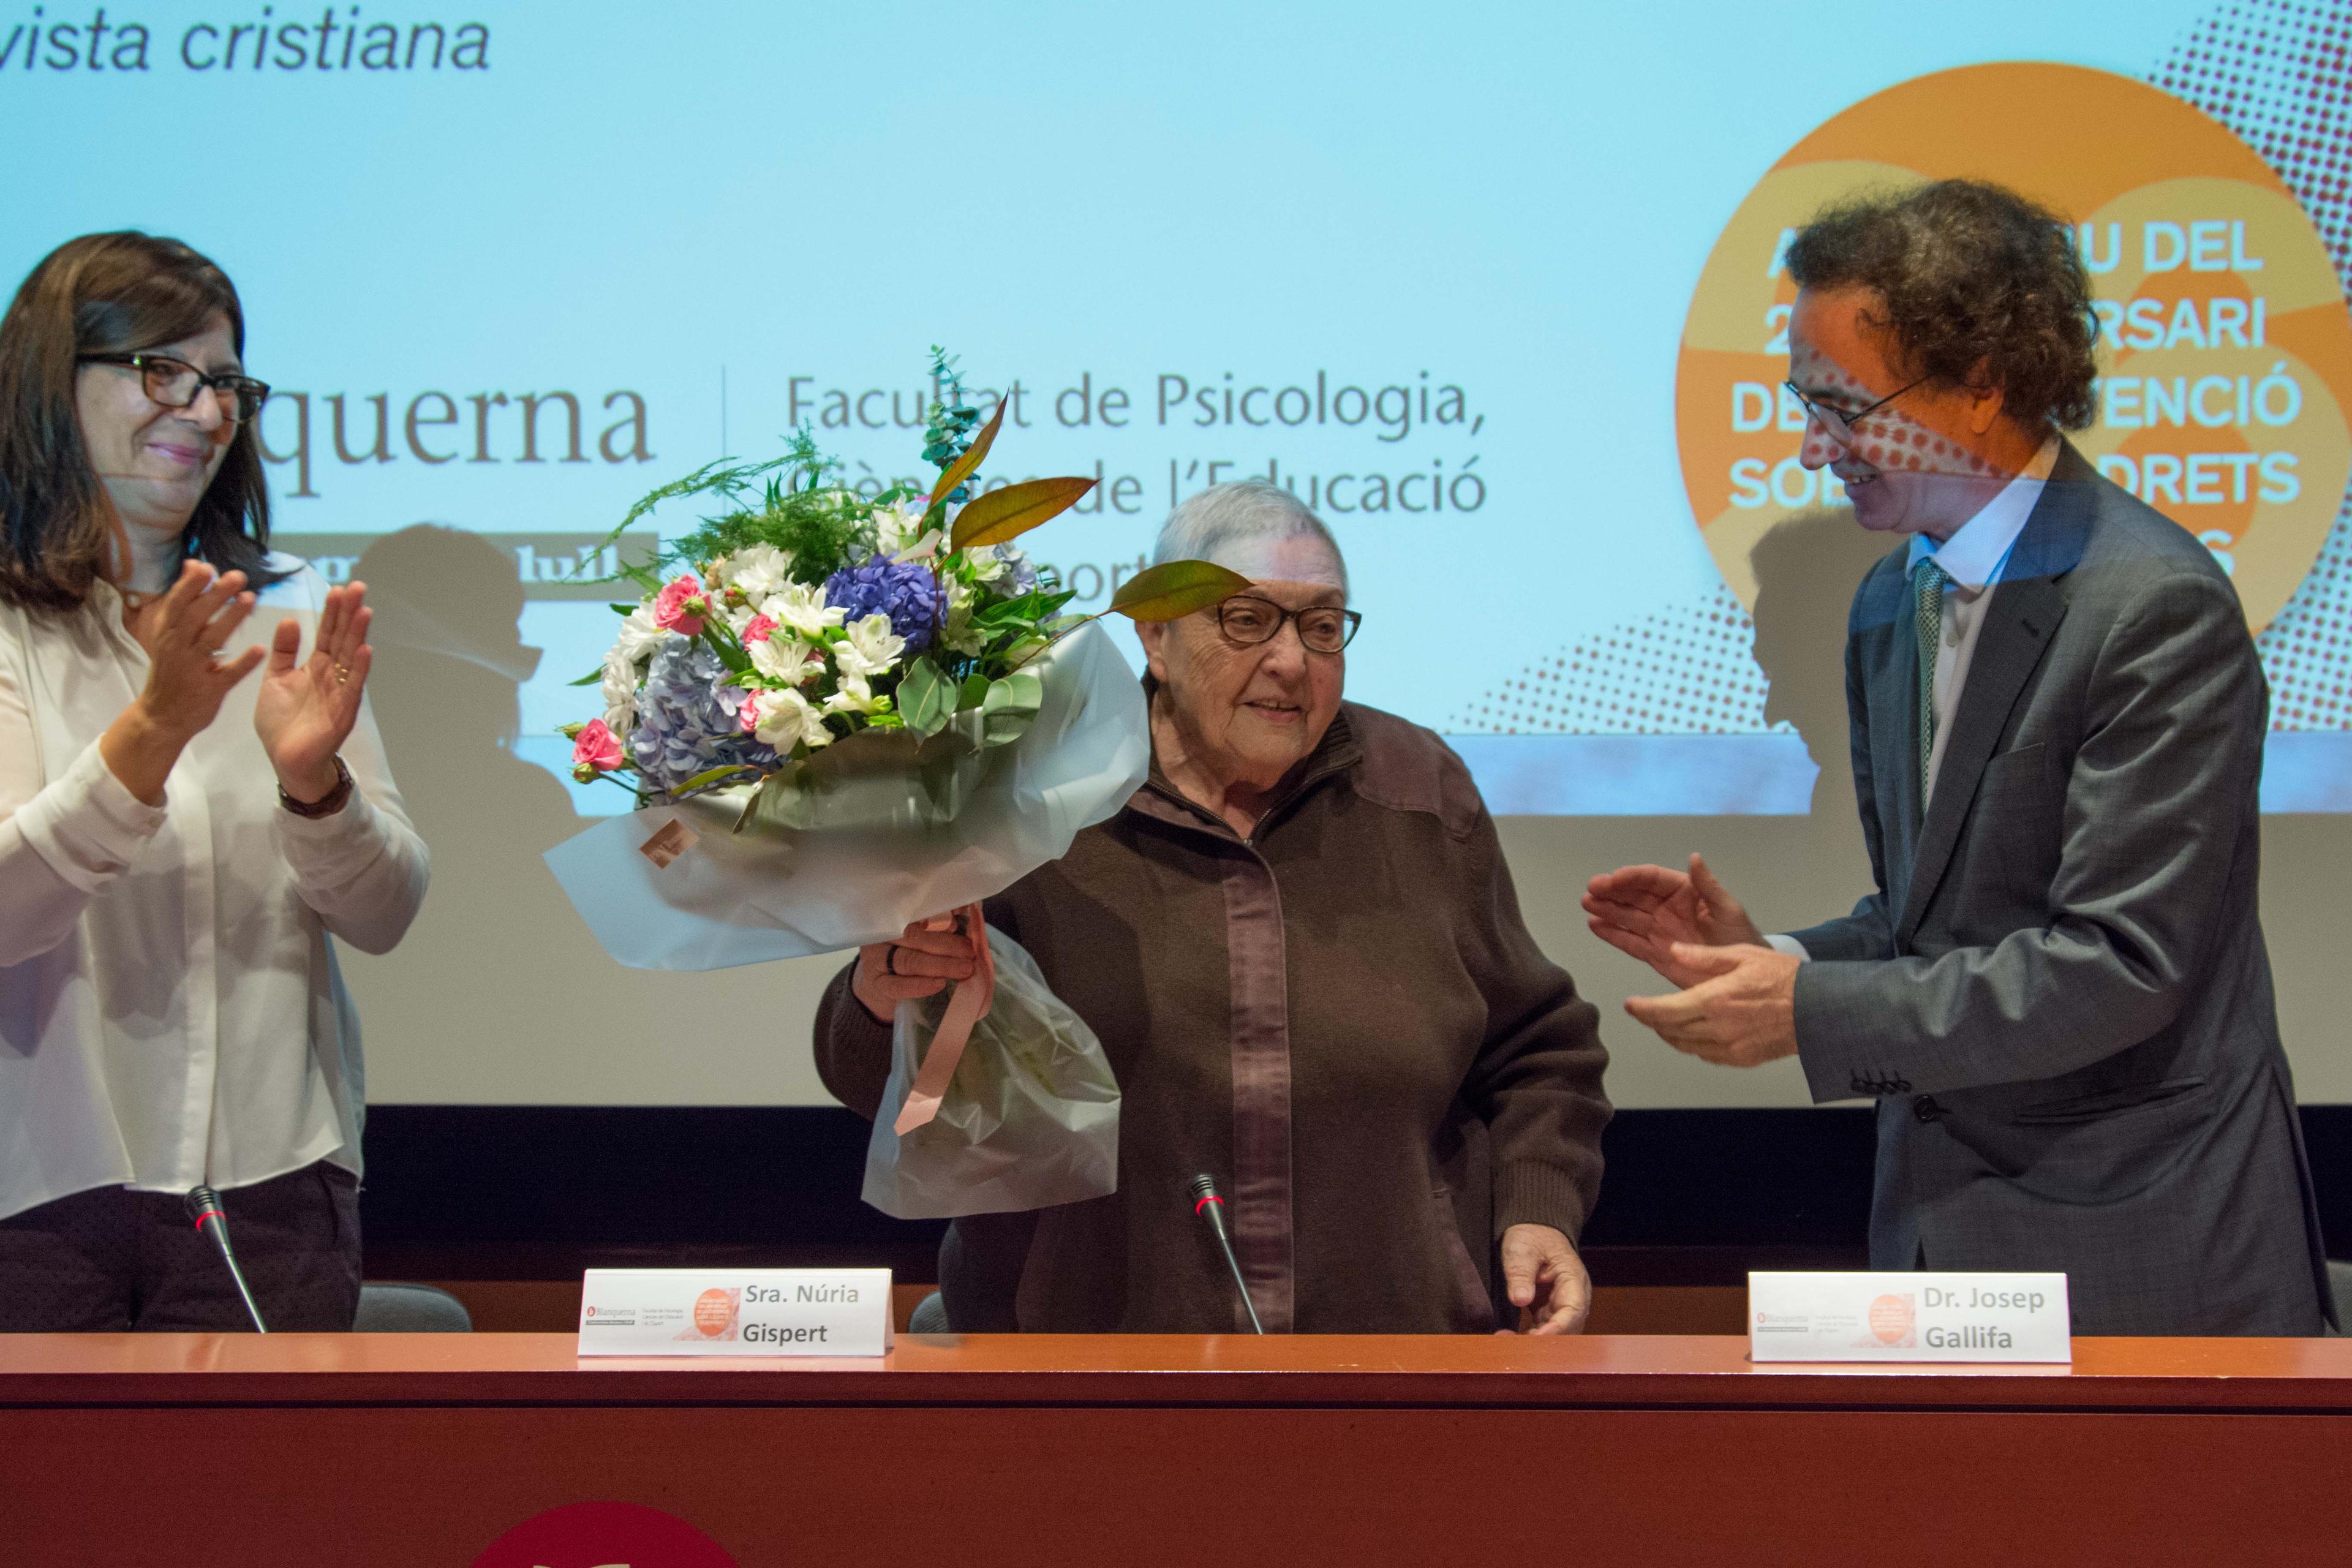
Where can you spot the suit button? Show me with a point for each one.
(1926, 1109)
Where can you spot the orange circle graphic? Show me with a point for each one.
(2226, 352)
(713, 1311)
(1890, 1319)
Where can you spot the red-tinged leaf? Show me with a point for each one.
(1175, 588)
(1008, 513)
(961, 470)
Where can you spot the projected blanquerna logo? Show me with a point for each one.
(2226, 352)
(342, 38)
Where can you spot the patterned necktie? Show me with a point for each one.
(1927, 580)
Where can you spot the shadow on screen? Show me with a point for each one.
(449, 666)
(1807, 567)
(498, 944)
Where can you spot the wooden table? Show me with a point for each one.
(423, 1449)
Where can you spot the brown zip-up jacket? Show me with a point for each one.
(1342, 1018)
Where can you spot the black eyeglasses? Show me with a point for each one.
(175, 383)
(1838, 422)
(1322, 628)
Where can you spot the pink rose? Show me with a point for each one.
(596, 750)
(749, 713)
(759, 629)
(681, 606)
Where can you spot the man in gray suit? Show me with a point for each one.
(2058, 992)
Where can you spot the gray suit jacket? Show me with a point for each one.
(2059, 991)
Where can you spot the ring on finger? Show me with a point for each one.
(890, 959)
(342, 674)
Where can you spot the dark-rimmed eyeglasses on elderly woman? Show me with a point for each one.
(175, 383)
(1247, 621)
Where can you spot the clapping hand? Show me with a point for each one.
(183, 631)
(1647, 910)
(1737, 1006)
(305, 710)
(1741, 1011)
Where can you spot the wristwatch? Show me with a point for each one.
(327, 804)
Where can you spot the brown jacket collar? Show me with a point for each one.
(1337, 753)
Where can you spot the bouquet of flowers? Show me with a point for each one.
(790, 652)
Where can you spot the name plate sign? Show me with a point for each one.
(1908, 1318)
(735, 1312)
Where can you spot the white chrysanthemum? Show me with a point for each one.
(620, 693)
(855, 696)
(758, 572)
(801, 607)
(639, 637)
(784, 659)
(786, 718)
(870, 648)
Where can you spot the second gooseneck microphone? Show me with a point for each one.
(1211, 1207)
(204, 1207)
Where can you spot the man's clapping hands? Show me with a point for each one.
(1738, 1001)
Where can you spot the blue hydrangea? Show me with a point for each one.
(1020, 573)
(687, 719)
(903, 591)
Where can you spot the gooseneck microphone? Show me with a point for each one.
(1211, 1207)
(204, 1205)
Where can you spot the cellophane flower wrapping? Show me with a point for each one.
(1030, 1119)
(876, 839)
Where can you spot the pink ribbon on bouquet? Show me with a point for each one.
(967, 1006)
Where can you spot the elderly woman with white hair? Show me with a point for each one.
(1301, 949)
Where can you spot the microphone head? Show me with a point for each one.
(1204, 1186)
(204, 1204)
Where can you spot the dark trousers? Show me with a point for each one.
(111, 1258)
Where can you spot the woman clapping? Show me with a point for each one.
(180, 837)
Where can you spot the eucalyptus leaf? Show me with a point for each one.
(926, 699)
(1010, 707)
(1000, 515)
(1176, 588)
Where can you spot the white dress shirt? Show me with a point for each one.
(170, 1008)
(1972, 559)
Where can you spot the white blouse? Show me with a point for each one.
(169, 1007)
